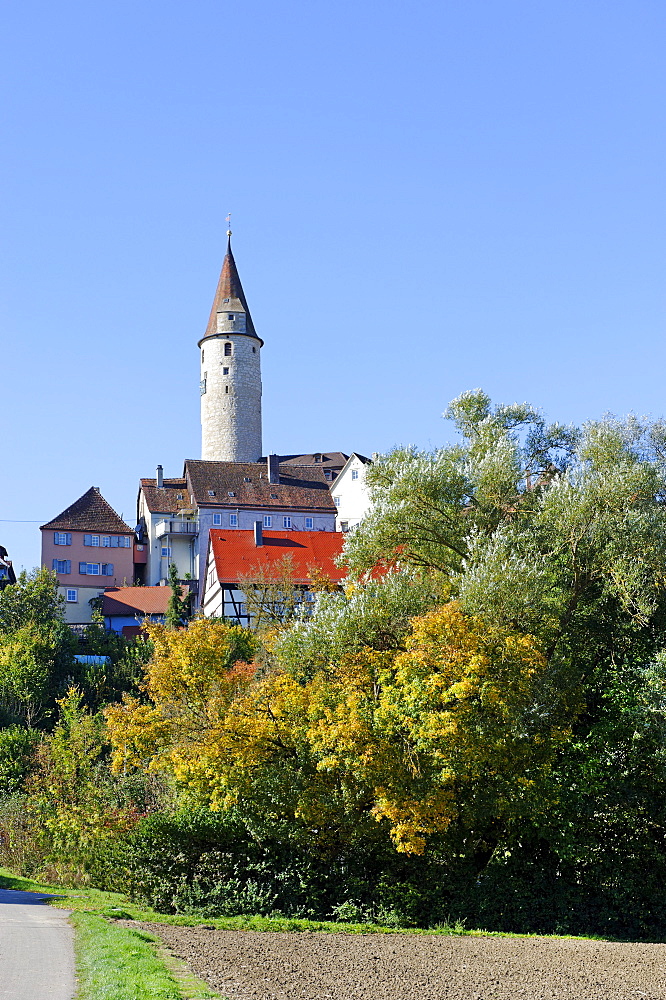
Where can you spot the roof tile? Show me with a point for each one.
(90, 512)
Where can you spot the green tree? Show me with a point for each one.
(179, 608)
(36, 648)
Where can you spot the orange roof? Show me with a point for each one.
(137, 600)
(236, 554)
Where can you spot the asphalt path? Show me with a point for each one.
(36, 949)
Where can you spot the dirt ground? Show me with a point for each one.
(246, 965)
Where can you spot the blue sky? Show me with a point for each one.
(425, 197)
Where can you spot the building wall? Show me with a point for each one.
(231, 395)
(79, 612)
(350, 495)
(76, 552)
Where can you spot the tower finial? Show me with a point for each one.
(229, 227)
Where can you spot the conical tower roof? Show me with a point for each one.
(229, 296)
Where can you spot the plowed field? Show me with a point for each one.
(246, 965)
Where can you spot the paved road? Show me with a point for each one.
(36, 950)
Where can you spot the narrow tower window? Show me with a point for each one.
(226, 388)
(227, 349)
(202, 357)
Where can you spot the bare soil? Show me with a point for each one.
(247, 965)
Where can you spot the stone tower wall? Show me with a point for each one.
(231, 402)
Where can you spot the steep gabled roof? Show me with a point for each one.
(303, 488)
(90, 512)
(229, 296)
(165, 499)
(236, 554)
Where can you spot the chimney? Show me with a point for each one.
(258, 534)
(160, 477)
(274, 469)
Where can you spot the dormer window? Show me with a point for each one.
(225, 300)
(211, 493)
(180, 497)
(317, 458)
(274, 496)
(231, 493)
(246, 479)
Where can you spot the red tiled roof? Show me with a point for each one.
(90, 512)
(164, 500)
(137, 600)
(237, 556)
(229, 295)
(305, 488)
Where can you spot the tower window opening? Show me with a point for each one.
(202, 357)
(227, 349)
(254, 350)
(230, 316)
(226, 388)
(225, 371)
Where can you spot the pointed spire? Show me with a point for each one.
(229, 295)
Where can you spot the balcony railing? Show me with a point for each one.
(176, 527)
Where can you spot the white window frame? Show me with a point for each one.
(354, 473)
(286, 522)
(268, 521)
(72, 599)
(217, 520)
(93, 569)
(233, 520)
(166, 552)
(336, 501)
(94, 541)
(309, 523)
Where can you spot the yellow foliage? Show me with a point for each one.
(441, 733)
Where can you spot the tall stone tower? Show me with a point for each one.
(230, 374)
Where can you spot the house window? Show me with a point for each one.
(202, 386)
(233, 520)
(217, 519)
(72, 596)
(225, 371)
(344, 525)
(62, 566)
(354, 473)
(327, 474)
(166, 551)
(91, 540)
(90, 569)
(336, 501)
(106, 541)
(286, 522)
(268, 521)
(62, 538)
(227, 350)
(309, 523)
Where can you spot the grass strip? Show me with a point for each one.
(115, 963)
(113, 905)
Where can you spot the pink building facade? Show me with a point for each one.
(89, 547)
